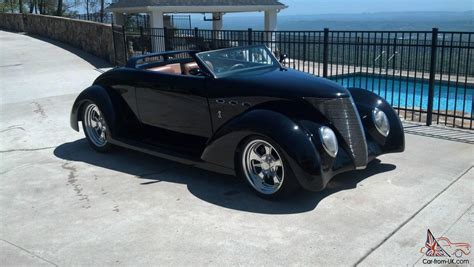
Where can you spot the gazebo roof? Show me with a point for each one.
(197, 6)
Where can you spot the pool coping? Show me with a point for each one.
(450, 83)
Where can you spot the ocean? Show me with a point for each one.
(397, 21)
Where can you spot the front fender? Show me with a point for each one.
(365, 102)
(100, 96)
(294, 140)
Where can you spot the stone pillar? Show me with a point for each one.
(119, 18)
(270, 25)
(157, 31)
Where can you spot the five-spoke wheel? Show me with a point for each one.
(95, 127)
(264, 168)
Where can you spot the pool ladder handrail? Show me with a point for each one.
(388, 60)
(391, 57)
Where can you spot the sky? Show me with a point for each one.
(312, 7)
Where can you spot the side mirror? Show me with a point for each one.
(283, 57)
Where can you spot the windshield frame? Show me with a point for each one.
(276, 63)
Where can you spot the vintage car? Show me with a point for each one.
(238, 111)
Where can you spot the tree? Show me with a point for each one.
(102, 9)
(87, 2)
(33, 6)
(9, 5)
(41, 6)
(91, 7)
(59, 9)
(47, 7)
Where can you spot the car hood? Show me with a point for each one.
(284, 83)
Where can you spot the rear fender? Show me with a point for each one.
(101, 97)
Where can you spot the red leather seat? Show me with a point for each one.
(171, 69)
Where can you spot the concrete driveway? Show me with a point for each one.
(61, 203)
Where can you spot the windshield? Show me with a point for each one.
(226, 61)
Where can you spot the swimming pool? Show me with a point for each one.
(414, 93)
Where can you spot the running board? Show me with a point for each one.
(171, 155)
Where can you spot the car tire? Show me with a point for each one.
(262, 164)
(95, 128)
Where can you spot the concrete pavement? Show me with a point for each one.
(61, 203)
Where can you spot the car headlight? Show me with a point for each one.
(329, 140)
(381, 122)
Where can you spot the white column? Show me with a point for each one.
(217, 24)
(119, 18)
(157, 34)
(270, 25)
(270, 20)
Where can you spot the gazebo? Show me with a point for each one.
(157, 9)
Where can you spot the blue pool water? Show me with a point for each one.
(414, 94)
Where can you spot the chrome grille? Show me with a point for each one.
(344, 116)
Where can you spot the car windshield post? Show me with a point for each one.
(230, 60)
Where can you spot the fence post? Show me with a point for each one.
(326, 52)
(357, 41)
(249, 38)
(113, 44)
(125, 45)
(165, 38)
(196, 37)
(434, 46)
(304, 50)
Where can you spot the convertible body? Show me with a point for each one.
(199, 108)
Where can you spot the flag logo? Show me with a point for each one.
(433, 249)
(443, 247)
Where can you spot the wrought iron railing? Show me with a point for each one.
(428, 76)
(97, 17)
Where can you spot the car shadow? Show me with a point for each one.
(222, 190)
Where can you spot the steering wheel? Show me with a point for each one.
(196, 72)
(237, 66)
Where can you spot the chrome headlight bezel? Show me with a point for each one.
(381, 122)
(329, 141)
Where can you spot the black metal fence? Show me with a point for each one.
(428, 76)
(97, 17)
(120, 46)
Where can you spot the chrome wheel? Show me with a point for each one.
(263, 166)
(95, 125)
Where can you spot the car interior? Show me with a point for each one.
(184, 63)
(175, 63)
(177, 68)
(192, 68)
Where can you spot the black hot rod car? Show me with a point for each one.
(238, 111)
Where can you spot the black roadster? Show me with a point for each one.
(238, 111)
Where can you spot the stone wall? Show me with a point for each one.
(92, 37)
(11, 22)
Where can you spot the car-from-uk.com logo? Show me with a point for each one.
(441, 250)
